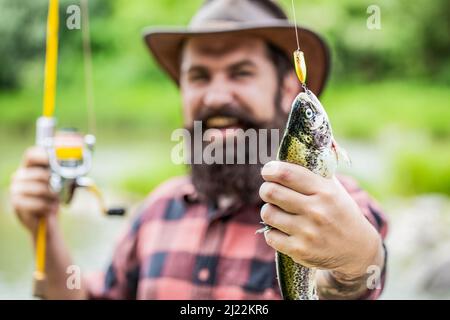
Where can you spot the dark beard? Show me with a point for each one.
(241, 182)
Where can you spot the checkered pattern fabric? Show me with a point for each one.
(180, 248)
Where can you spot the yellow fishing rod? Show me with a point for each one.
(45, 129)
(69, 153)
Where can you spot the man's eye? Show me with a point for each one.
(241, 74)
(198, 77)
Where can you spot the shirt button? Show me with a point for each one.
(203, 274)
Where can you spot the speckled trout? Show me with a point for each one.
(307, 141)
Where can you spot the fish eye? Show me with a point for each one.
(308, 113)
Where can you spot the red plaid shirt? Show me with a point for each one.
(180, 248)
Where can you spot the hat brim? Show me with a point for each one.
(166, 43)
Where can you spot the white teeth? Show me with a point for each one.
(221, 122)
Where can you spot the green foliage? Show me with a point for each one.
(364, 110)
(141, 183)
(413, 40)
(22, 34)
(423, 168)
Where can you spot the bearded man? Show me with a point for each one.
(194, 237)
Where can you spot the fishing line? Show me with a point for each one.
(299, 59)
(295, 24)
(88, 73)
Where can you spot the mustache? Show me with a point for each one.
(243, 117)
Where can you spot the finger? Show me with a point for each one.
(36, 206)
(33, 174)
(278, 240)
(277, 218)
(34, 189)
(284, 198)
(293, 176)
(35, 156)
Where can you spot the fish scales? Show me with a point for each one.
(307, 141)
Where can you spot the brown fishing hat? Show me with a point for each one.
(261, 18)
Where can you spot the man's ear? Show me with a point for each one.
(289, 90)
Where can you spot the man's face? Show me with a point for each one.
(229, 82)
(227, 72)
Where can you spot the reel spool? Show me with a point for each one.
(70, 157)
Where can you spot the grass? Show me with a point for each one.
(422, 169)
(363, 111)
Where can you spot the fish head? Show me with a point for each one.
(308, 121)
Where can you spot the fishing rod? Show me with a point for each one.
(69, 152)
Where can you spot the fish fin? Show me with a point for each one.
(263, 229)
(340, 153)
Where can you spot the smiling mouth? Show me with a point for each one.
(222, 122)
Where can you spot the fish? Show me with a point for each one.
(307, 141)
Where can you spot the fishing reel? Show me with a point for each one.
(70, 158)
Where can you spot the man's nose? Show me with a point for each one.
(218, 94)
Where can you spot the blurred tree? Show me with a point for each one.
(22, 34)
(413, 40)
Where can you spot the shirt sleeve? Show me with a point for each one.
(373, 212)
